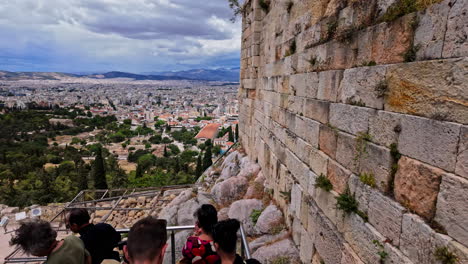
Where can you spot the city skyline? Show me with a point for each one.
(140, 36)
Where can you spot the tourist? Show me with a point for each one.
(146, 242)
(225, 240)
(37, 238)
(100, 239)
(201, 247)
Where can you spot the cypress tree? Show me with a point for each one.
(231, 136)
(207, 162)
(237, 132)
(165, 152)
(139, 171)
(199, 169)
(99, 171)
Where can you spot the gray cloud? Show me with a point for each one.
(103, 33)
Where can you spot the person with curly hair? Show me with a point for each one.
(37, 238)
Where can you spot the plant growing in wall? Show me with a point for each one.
(255, 215)
(264, 4)
(289, 6)
(443, 255)
(381, 89)
(286, 196)
(347, 202)
(324, 183)
(382, 254)
(368, 179)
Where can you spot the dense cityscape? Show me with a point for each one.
(78, 133)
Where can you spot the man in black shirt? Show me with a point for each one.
(100, 239)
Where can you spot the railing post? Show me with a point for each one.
(173, 249)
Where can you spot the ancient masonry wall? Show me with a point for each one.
(340, 88)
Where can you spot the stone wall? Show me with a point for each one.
(373, 96)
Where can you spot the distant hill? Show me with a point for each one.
(222, 74)
(229, 75)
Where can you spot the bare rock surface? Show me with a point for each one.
(281, 249)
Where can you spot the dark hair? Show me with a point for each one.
(35, 237)
(225, 235)
(78, 216)
(207, 217)
(146, 239)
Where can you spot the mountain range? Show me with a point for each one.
(222, 74)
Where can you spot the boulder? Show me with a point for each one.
(186, 211)
(169, 213)
(180, 239)
(263, 240)
(10, 210)
(223, 214)
(270, 218)
(229, 190)
(278, 250)
(204, 198)
(242, 210)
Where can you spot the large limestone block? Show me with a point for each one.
(430, 33)
(362, 192)
(328, 242)
(395, 256)
(418, 241)
(242, 210)
(361, 237)
(359, 86)
(304, 84)
(338, 176)
(456, 44)
(462, 159)
(296, 199)
(349, 256)
(430, 141)
(386, 216)
(328, 140)
(270, 218)
(452, 207)
(377, 161)
(346, 152)
(329, 83)
(417, 186)
(352, 119)
(384, 128)
(308, 129)
(435, 88)
(277, 250)
(326, 201)
(306, 247)
(317, 110)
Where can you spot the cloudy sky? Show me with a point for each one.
(125, 35)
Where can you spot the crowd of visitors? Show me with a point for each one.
(213, 242)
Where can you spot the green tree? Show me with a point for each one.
(237, 132)
(207, 162)
(99, 171)
(199, 169)
(231, 136)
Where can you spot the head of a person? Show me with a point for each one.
(225, 236)
(35, 238)
(77, 219)
(146, 242)
(206, 217)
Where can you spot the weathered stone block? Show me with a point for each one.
(361, 192)
(435, 89)
(318, 162)
(430, 33)
(395, 256)
(352, 119)
(417, 186)
(456, 44)
(329, 83)
(418, 241)
(377, 161)
(296, 199)
(317, 110)
(452, 207)
(348, 256)
(338, 176)
(328, 140)
(328, 242)
(346, 152)
(308, 129)
(430, 141)
(359, 86)
(386, 216)
(326, 201)
(462, 159)
(384, 128)
(360, 236)
(306, 247)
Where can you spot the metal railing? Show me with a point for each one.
(245, 250)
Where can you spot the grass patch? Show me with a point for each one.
(275, 230)
(264, 5)
(356, 103)
(347, 202)
(443, 255)
(399, 9)
(382, 254)
(368, 179)
(281, 260)
(410, 54)
(324, 183)
(255, 215)
(286, 196)
(363, 215)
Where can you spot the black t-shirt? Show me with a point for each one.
(239, 260)
(100, 241)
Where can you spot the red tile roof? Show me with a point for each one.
(209, 131)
